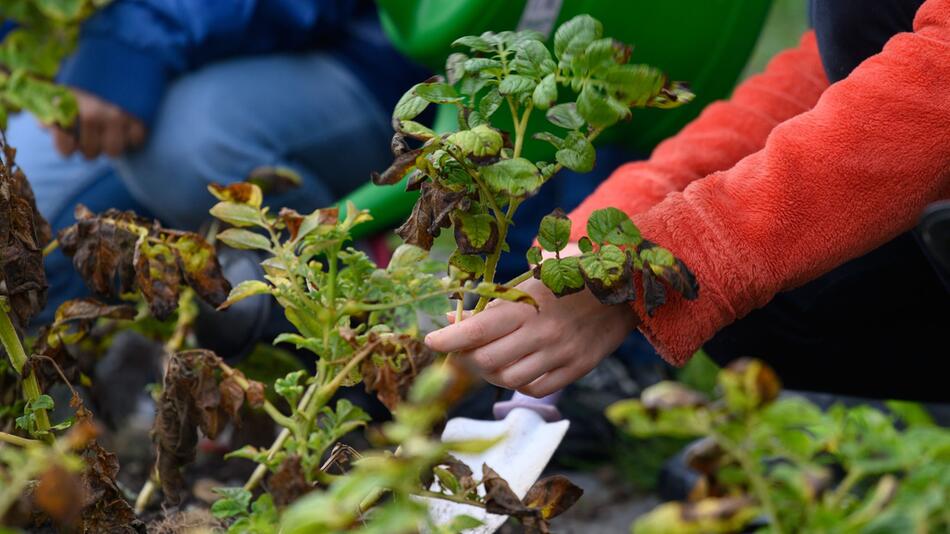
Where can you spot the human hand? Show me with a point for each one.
(100, 128)
(537, 353)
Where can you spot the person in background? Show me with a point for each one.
(792, 203)
(176, 95)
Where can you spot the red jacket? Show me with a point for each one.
(791, 177)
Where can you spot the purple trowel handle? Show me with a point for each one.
(546, 407)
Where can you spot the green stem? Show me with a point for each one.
(491, 264)
(452, 498)
(271, 410)
(50, 247)
(18, 441)
(31, 388)
(759, 484)
(521, 127)
(852, 478)
(520, 278)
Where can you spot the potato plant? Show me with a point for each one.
(473, 179)
(781, 464)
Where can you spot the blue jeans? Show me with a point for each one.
(307, 112)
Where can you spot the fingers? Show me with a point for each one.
(503, 351)
(90, 135)
(136, 133)
(552, 381)
(65, 143)
(114, 138)
(522, 372)
(478, 330)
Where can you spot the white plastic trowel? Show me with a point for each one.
(532, 430)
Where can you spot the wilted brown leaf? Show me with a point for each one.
(431, 214)
(195, 396)
(239, 192)
(394, 364)
(118, 252)
(552, 496)
(753, 378)
(23, 234)
(399, 167)
(104, 509)
(288, 483)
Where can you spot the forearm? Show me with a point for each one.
(829, 185)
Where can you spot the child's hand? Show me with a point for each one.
(538, 353)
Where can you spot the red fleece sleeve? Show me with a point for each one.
(830, 185)
(723, 134)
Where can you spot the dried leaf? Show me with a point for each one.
(104, 506)
(431, 214)
(390, 371)
(238, 192)
(23, 234)
(192, 398)
(552, 496)
(288, 483)
(399, 167)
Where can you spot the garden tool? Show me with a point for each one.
(530, 430)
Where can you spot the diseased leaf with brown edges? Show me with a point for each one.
(118, 252)
(104, 508)
(552, 496)
(399, 167)
(499, 498)
(238, 192)
(394, 364)
(431, 214)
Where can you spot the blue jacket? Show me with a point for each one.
(130, 51)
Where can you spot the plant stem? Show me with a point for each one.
(520, 278)
(144, 496)
(50, 247)
(492, 263)
(759, 484)
(520, 127)
(18, 441)
(852, 478)
(453, 498)
(31, 388)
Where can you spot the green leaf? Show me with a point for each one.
(555, 231)
(576, 153)
(61, 10)
(533, 255)
(585, 244)
(562, 276)
(480, 141)
(565, 116)
(237, 214)
(406, 255)
(455, 67)
(516, 177)
(636, 85)
(289, 387)
(599, 109)
(479, 64)
(675, 94)
(608, 274)
(410, 105)
(610, 225)
(234, 502)
(532, 59)
(244, 239)
(447, 480)
(490, 103)
(545, 94)
(475, 233)
(573, 36)
(471, 264)
(498, 291)
(515, 84)
(437, 93)
(43, 402)
(475, 43)
(49, 102)
(415, 130)
(550, 138)
(245, 289)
